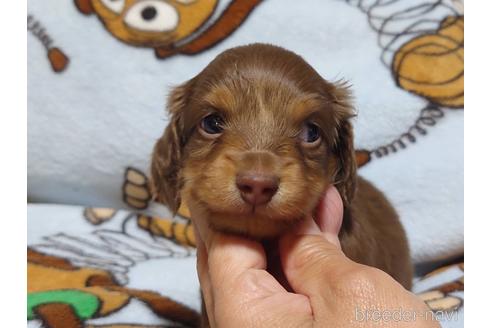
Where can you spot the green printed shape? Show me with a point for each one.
(84, 304)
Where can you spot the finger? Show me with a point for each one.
(310, 262)
(330, 215)
(204, 278)
(230, 256)
(244, 291)
(311, 253)
(200, 224)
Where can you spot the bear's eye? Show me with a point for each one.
(115, 6)
(152, 16)
(310, 134)
(211, 126)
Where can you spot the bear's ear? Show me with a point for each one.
(167, 156)
(165, 51)
(84, 6)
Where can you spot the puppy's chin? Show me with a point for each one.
(237, 217)
(252, 226)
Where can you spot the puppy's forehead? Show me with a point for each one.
(260, 92)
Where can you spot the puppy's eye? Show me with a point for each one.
(310, 134)
(211, 125)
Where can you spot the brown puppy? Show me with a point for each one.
(256, 138)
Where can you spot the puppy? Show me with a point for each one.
(256, 138)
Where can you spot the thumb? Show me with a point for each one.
(310, 254)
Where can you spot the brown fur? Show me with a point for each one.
(265, 94)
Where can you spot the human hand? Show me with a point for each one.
(329, 290)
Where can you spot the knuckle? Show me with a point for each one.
(311, 251)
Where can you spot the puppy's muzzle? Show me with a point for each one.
(257, 188)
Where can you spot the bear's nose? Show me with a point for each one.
(257, 188)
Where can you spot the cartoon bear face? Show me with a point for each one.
(152, 23)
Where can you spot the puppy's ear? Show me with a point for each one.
(343, 145)
(165, 180)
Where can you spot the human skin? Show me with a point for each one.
(328, 289)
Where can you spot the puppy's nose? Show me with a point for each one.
(257, 188)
